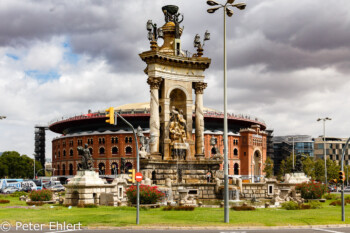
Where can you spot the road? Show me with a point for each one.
(266, 230)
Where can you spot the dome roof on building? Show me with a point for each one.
(146, 105)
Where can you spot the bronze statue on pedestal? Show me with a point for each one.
(87, 162)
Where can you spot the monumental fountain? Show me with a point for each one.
(176, 157)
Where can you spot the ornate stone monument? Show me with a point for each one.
(87, 187)
(175, 153)
(297, 176)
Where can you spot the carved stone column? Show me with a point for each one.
(154, 124)
(199, 88)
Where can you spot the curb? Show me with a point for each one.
(217, 227)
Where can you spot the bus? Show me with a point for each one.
(10, 182)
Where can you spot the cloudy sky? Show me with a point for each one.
(288, 61)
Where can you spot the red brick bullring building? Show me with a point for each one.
(110, 144)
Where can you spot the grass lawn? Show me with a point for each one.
(125, 216)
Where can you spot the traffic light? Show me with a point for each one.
(341, 176)
(132, 175)
(110, 115)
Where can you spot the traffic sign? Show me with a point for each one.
(138, 176)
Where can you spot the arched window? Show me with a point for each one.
(64, 153)
(59, 154)
(130, 139)
(128, 150)
(101, 168)
(70, 169)
(71, 152)
(79, 167)
(213, 151)
(114, 168)
(126, 139)
(236, 169)
(91, 150)
(102, 150)
(114, 150)
(114, 140)
(63, 169)
(58, 170)
(235, 151)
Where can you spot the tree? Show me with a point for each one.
(285, 167)
(332, 169)
(319, 170)
(309, 167)
(268, 167)
(13, 165)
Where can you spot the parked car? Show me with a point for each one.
(11, 189)
(27, 189)
(347, 189)
(332, 188)
(57, 188)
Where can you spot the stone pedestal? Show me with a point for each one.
(86, 188)
(296, 178)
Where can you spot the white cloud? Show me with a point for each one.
(287, 63)
(44, 56)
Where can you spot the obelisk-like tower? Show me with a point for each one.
(172, 76)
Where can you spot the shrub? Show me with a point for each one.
(315, 205)
(335, 203)
(2, 201)
(18, 194)
(185, 208)
(37, 203)
(290, 205)
(242, 208)
(148, 194)
(338, 202)
(330, 196)
(167, 208)
(305, 206)
(87, 206)
(311, 190)
(40, 195)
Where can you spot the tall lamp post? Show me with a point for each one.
(324, 145)
(229, 12)
(293, 149)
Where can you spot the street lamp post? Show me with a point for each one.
(292, 151)
(229, 12)
(293, 155)
(324, 146)
(36, 174)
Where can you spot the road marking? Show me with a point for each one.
(318, 229)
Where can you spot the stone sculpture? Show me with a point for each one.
(299, 163)
(177, 127)
(87, 163)
(122, 166)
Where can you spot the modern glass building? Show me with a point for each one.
(283, 147)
